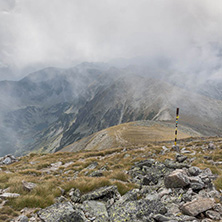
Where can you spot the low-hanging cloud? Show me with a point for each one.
(42, 33)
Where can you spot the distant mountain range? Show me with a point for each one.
(52, 108)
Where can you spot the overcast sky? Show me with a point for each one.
(40, 33)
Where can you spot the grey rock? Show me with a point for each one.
(22, 218)
(196, 183)
(172, 165)
(9, 195)
(103, 193)
(135, 210)
(162, 218)
(92, 166)
(28, 186)
(218, 208)
(206, 220)
(194, 171)
(97, 173)
(75, 195)
(147, 163)
(61, 212)
(211, 146)
(175, 148)
(176, 179)
(96, 210)
(197, 206)
(181, 158)
(213, 215)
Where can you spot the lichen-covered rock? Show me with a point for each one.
(96, 210)
(75, 195)
(175, 165)
(61, 212)
(197, 206)
(176, 179)
(103, 193)
(135, 210)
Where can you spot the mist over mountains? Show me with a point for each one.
(54, 107)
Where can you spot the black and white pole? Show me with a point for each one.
(177, 118)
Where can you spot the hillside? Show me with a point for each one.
(137, 133)
(53, 108)
(130, 183)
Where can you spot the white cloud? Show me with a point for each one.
(60, 32)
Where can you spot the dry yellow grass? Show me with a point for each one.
(116, 161)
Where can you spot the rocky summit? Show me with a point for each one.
(139, 184)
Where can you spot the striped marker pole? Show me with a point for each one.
(177, 118)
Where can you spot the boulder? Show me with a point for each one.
(61, 212)
(96, 209)
(135, 210)
(176, 179)
(197, 206)
(103, 193)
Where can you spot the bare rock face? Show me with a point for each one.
(176, 179)
(195, 207)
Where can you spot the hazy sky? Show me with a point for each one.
(39, 33)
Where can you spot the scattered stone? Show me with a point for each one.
(181, 158)
(9, 195)
(175, 148)
(213, 215)
(196, 183)
(177, 179)
(174, 165)
(197, 206)
(162, 218)
(103, 193)
(194, 171)
(97, 173)
(211, 146)
(147, 163)
(75, 195)
(92, 166)
(68, 164)
(28, 186)
(8, 159)
(61, 212)
(218, 208)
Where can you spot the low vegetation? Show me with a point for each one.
(53, 182)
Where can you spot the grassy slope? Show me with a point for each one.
(135, 133)
(34, 167)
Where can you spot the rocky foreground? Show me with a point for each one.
(168, 190)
